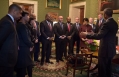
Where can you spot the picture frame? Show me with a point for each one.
(74, 0)
(108, 4)
(30, 6)
(54, 16)
(54, 4)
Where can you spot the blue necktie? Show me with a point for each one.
(61, 25)
(77, 25)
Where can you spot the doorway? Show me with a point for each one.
(77, 10)
(81, 15)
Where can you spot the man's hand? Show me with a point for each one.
(83, 34)
(31, 49)
(51, 38)
(69, 37)
(62, 37)
(36, 41)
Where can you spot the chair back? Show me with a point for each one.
(80, 60)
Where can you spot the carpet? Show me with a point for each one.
(54, 70)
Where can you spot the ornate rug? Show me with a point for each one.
(54, 70)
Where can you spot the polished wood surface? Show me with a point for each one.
(95, 53)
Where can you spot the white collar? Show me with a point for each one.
(11, 17)
(108, 19)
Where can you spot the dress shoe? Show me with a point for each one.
(51, 57)
(62, 60)
(37, 60)
(50, 62)
(57, 61)
(41, 63)
(33, 64)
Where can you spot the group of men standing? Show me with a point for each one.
(63, 34)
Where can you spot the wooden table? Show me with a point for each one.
(87, 51)
(94, 53)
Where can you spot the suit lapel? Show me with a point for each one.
(45, 22)
(14, 26)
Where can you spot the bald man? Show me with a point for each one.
(91, 22)
(70, 34)
(47, 35)
(60, 31)
(76, 37)
(99, 22)
(9, 41)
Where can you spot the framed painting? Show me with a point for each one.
(54, 15)
(114, 4)
(30, 6)
(74, 0)
(55, 4)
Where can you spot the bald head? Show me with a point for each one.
(68, 19)
(91, 20)
(60, 18)
(48, 17)
(77, 19)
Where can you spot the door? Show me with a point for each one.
(81, 14)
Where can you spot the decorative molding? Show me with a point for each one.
(74, 10)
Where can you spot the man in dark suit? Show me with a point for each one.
(99, 23)
(37, 42)
(91, 22)
(107, 48)
(76, 37)
(70, 34)
(47, 34)
(60, 31)
(9, 41)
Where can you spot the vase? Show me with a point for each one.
(93, 47)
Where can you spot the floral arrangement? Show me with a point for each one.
(92, 44)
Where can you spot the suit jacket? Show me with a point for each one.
(8, 42)
(72, 30)
(99, 27)
(107, 36)
(45, 30)
(38, 30)
(93, 27)
(59, 31)
(76, 34)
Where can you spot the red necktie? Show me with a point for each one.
(69, 27)
(49, 26)
(99, 22)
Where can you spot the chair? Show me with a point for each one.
(79, 62)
